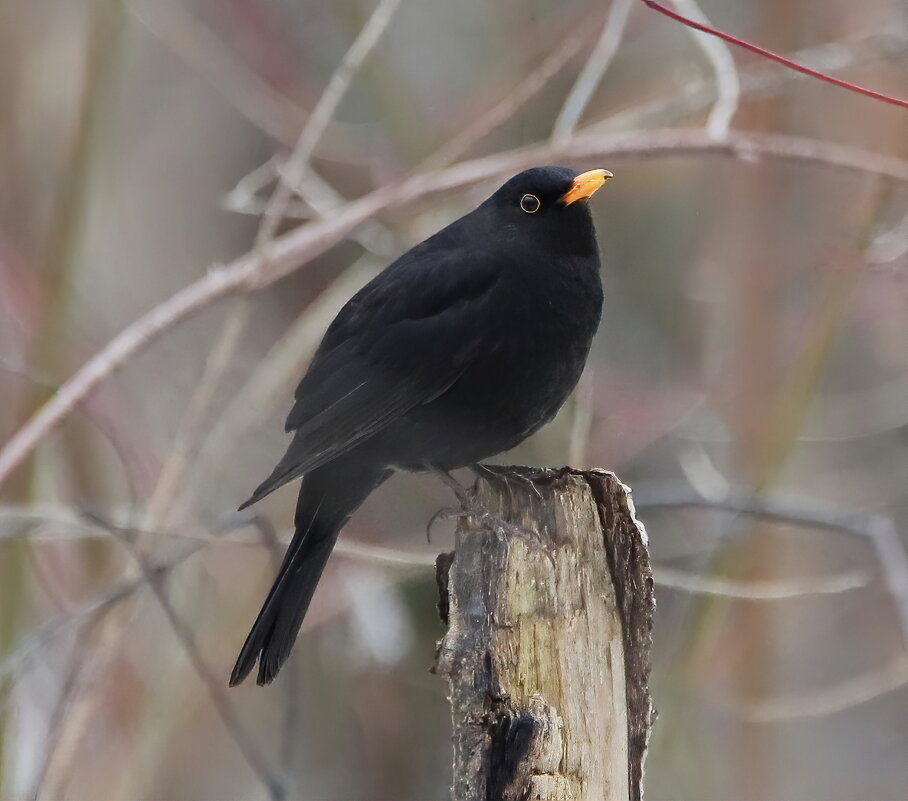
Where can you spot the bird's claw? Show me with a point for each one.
(506, 477)
(470, 508)
(442, 514)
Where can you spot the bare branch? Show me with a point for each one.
(761, 51)
(663, 576)
(81, 670)
(675, 495)
(278, 369)
(37, 639)
(267, 109)
(880, 530)
(382, 555)
(894, 563)
(300, 245)
(593, 71)
(728, 86)
(321, 116)
(760, 78)
(758, 590)
(829, 700)
(215, 687)
(189, 434)
(508, 106)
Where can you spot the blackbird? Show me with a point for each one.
(459, 350)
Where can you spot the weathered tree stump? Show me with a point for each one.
(548, 646)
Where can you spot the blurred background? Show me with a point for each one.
(749, 381)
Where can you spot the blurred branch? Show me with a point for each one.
(728, 86)
(889, 245)
(104, 428)
(189, 435)
(691, 96)
(829, 700)
(317, 199)
(244, 197)
(508, 106)
(382, 555)
(290, 251)
(676, 495)
(758, 590)
(61, 244)
(215, 687)
(102, 602)
(277, 370)
(663, 576)
(321, 115)
(761, 51)
(593, 71)
(879, 530)
(266, 108)
(57, 756)
(292, 175)
(581, 418)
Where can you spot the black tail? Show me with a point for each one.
(327, 498)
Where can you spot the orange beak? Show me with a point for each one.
(585, 185)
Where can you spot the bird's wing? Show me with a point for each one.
(400, 342)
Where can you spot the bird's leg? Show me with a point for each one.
(470, 508)
(506, 477)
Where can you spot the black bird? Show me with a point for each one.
(457, 351)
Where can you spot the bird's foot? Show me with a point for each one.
(507, 477)
(470, 508)
(446, 513)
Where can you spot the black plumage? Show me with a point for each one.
(459, 350)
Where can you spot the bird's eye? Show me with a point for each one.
(530, 204)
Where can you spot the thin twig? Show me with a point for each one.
(215, 687)
(829, 700)
(394, 557)
(80, 670)
(190, 433)
(62, 748)
(878, 529)
(508, 106)
(728, 86)
(894, 563)
(810, 514)
(593, 71)
(244, 197)
(106, 600)
(302, 244)
(383, 555)
(668, 577)
(318, 199)
(266, 386)
(758, 590)
(761, 51)
(761, 77)
(321, 115)
(266, 108)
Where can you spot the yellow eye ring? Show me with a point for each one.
(530, 204)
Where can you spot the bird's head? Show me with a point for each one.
(546, 206)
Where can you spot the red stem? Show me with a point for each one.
(762, 51)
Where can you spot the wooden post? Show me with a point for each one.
(547, 651)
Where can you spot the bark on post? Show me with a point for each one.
(547, 649)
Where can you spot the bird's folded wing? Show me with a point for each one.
(375, 375)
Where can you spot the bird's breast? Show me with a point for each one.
(536, 350)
